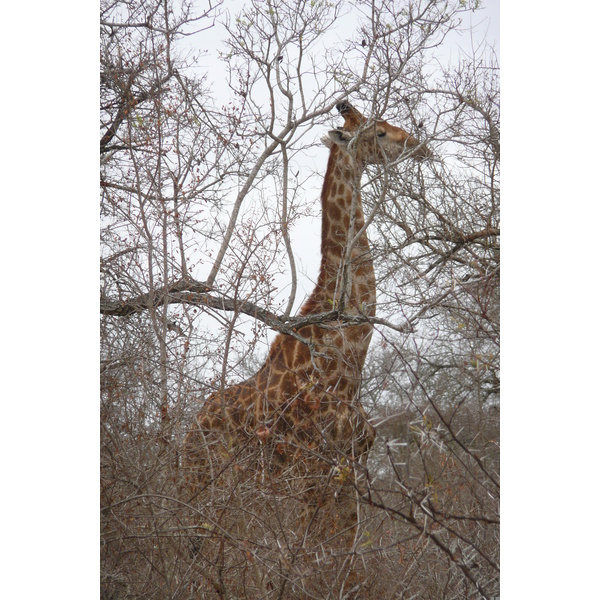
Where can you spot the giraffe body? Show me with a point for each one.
(301, 412)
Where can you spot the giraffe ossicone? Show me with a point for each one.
(302, 409)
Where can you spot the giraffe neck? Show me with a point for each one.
(346, 280)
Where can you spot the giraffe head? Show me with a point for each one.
(375, 142)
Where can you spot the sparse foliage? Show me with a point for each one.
(209, 185)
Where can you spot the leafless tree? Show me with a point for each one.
(210, 172)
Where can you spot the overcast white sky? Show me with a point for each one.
(483, 23)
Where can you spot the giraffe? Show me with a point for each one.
(302, 410)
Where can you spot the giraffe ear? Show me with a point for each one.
(327, 141)
(339, 137)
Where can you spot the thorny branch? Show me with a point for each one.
(198, 294)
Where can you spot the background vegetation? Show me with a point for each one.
(211, 167)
